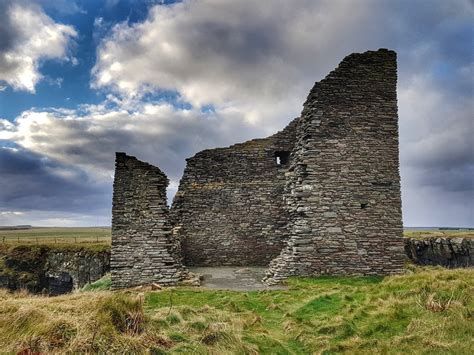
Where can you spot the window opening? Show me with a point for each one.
(282, 158)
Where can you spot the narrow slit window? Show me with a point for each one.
(282, 158)
(363, 205)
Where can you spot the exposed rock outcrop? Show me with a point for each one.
(448, 252)
(49, 269)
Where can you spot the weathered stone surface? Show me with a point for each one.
(71, 270)
(229, 208)
(320, 197)
(349, 124)
(143, 249)
(448, 252)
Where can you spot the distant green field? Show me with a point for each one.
(441, 233)
(59, 235)
(56, 235)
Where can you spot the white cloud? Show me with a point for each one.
(40, 218)
(29, 37)
(14, 213)
(255, 64)
(159, 133)
(258, 58)
(259, 61)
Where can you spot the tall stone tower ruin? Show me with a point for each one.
(322, 196)
(344, 182)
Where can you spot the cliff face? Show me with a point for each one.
(58, 270)
(52, 270)
(448, 252)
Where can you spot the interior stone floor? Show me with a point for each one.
(236, 278)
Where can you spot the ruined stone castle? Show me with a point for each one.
(322, 196)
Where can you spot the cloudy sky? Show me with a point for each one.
(82, 79)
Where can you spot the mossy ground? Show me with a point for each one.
(426, 311)
(102, 284)
(31, 250)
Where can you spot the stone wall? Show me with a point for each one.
(320, 197)
(448, 252)
(229, 208)
(143, 250)
(343, 188)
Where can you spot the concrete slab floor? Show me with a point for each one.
(235, 278)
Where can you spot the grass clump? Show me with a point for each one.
(84, 322)
(103, 284)
(122, 313)
(398, 314)
(428, 310)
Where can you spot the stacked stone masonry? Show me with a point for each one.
(343, 187)
(143, 250)
(320, 197)
(229, 208)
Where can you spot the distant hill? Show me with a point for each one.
(22, 226)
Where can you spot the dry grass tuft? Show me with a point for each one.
(89, 322)
(429, 310)
(436, 305)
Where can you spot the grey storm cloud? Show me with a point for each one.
(158, 133)
(254, 64)
(32, 182)
(7, 31)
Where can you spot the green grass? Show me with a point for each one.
(20, 250)
(103, 284)
(65, 232)
(365, 315)
(428, 310)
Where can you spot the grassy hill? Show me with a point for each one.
(425, 311)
